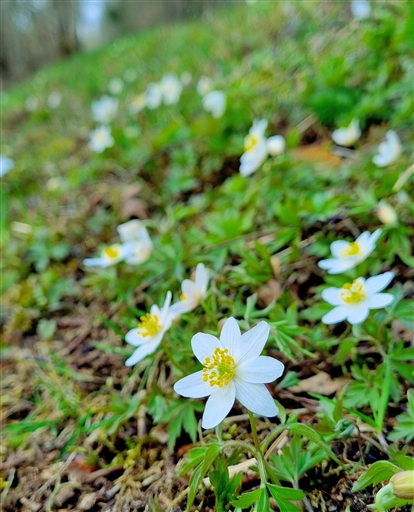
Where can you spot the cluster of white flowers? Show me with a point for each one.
(257, 148)
(104, 111)
(354, 300)
(168, 91)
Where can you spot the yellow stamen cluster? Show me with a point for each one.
(183, 296)
(149, 325)
(251, 142)
(353, 293)
(112, 252)
(353, 249)
(219, 369)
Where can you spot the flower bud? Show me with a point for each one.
(386, 213)
(403, 485)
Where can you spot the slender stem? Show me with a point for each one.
(254, 432)
(380, 494)
(219, 432)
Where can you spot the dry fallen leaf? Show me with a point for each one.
(321, 383)
(317, 154)
(268, 292)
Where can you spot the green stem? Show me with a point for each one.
(380, 494)
(254, 432)
(219, 432)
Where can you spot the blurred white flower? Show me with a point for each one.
(386, 213)
(193, 292)
(360, 9)
(255, 148)
(388, 150)
(100, 139)
(138, 103)
(204, 85)
(347, 136)
(32, 103)
(215, 103)
(130, 75)
(54, 99)
(150, 331)
(171, 89)
(276, 145)
(186, 78)
(105, 109)
(6, 165)
(137, 244)
(153, 95)
(115, 86)
(347, 255)
(232, 368)
(354, 300)
(110, 255)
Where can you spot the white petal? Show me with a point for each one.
(382, 160)
(276, 145)
(133, 338)
(378, 283)
(183, 306)
(263, 369)
(96, 262)
(202, 277)
(337, 247)
(218, 405)
(143, 351)
(256, 398)
(357, 314)
(335, 316)
(204, 345)
(332, 296)
(379, 300)
(230, 336)
(193, 386)
(375, 235)
(165, 316)
(252, 342)
(188, 288)
(334, 266)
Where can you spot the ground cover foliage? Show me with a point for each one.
(81, 431)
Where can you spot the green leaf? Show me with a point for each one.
(247, 499)
(263, 503)
(210, 454)
(287, 493)
(377, 472)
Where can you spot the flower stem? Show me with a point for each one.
(219, 432)
(254, 432)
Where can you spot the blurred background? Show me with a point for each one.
(37, 32)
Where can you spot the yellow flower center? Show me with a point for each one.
(353, 293)
(219, 369)
(353, 249)
(183, 296)
(251, 142)
(112, 252)
(149, 325)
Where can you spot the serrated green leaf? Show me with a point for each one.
(377, 472)
(277, 491)
(210, 454)
(247, 499)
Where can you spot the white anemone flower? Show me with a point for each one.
(100, 139)
(138, 103)
(54, 99)
(354, 300)
(347, 255)
(115, 85)
(347, 136)
(153, 95)
(105, 109)
(276, 145)
(232, 368)
(171, 89)
(193, 292)
(204, 85)
(360, 9)
(6, 165)
(150, 331)
(388, 150)
(110, 255)
(255, 148)
(137, 244)
(215, 103)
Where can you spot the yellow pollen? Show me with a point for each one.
(112, 252)
(149, 325)
(183, 296)
(251, 142)
(353, 249)
(219, 369)
(353, 293)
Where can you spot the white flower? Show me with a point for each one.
(115, 85)
(31, 103)
(105, 109)
(215, 103)
(150, 331)
(137, 244)
(389, 150)
(347, 255)
(138, 103)
(386, 213)
(204, 85)
(54, 99)
(353, 301)
(276, 145)
(255, 148)
(110, 255)
(193, 292)
(6, 165)
(360, 9)
(171, 89)
(153, 95)
(232, 368)
(347, 136)
(100, 139)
